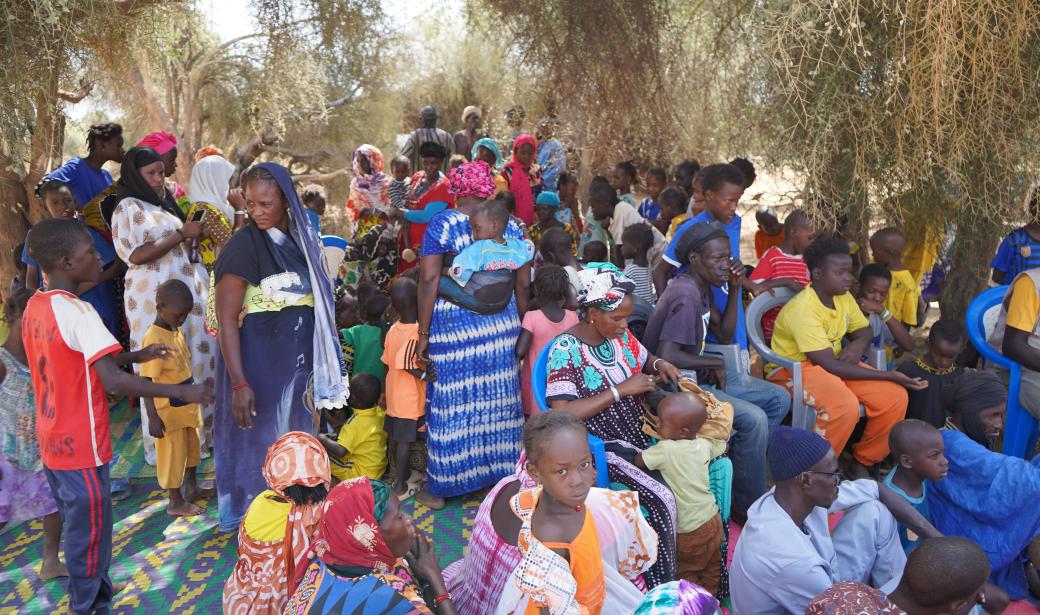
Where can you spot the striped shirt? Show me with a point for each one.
(644, 284)
(776, 264)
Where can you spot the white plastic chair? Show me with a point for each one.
(802, 415)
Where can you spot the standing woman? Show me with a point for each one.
(279, 356)
(523, 177)
(155, 244)
(474, 416)
(486, 150)
(427, 186)
(209, 194)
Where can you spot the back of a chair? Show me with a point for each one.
(758, 308)
(540, 376)
(980, 323)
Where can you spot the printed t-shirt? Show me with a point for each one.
(908, 538)
(806, 325)
(684, 465)
(719, 293)
(489, 255)
(682, 316)
(649, 209)
(903, 297)
(777, 264)
(174, 368)
(363, 437)
(365, 339)
(1017, 252)
(405, 394)
(63, 338)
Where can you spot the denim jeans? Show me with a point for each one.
(758, 407)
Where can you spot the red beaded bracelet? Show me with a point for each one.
(238, 387)
(442, 598)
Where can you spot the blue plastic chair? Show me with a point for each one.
(1020, 432)
(539, 379)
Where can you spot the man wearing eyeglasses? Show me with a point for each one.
(787, 554)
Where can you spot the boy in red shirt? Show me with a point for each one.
(783, 265)
(74, 360)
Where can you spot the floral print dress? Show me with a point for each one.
(135, 223)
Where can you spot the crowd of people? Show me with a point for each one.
(477, 334)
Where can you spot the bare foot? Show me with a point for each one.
(200, 494)
(118, 587)
(429, 500)
(53, 570)
(184, 509)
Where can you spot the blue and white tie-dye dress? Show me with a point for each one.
(474, 416)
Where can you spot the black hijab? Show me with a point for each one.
(133, 184)
(970, 394)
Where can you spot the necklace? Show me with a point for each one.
(931, 370)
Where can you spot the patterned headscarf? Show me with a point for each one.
(368, 189)
(297, 458)
(490, 145)
(603, 286)
(160, 140)
(678, 598)
(471, 179)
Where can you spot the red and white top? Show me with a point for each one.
(63, 338)
(776, 264)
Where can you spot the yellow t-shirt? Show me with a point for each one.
(903, 296)
(1024, 307)
(174, 368)
(365, 441)
(806, 325)
(265, 520)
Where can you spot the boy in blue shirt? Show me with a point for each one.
(919, 453)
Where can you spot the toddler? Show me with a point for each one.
(366, 338)
(682, 458)
(656, 180)
(904, 297)
(887, 333)
(938, 367)
(636, 241)
(783, 265)
(546, 319)
(405, 383)
(397, 188)
(555, 249)
(173, 423)
(358, 444)
(490, 250)
(595, 252)
(770, 232)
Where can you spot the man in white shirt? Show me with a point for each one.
(605, 206)
(786, 554)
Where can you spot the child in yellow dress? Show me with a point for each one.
(358, 446)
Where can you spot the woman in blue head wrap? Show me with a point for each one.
(279, 357)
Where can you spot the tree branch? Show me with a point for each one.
(320, 178)
(85, 87)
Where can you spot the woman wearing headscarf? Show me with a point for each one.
(357, 562)
(368, 188)
(427, 186)
(473, 411)
(156, 246)
(523, 177)
(279, 357)
(166, 144)
(599, 372)
(986, 496)
(209, 194)
(280, 525)
(486, 150)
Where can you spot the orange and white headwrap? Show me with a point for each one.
(297, 458)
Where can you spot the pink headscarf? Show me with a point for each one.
(522, 180)
(161, 141)
(472, 179)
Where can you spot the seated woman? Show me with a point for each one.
(599, 372)
(571, 559)
(356, 562)
(279, 526)
(984, 489)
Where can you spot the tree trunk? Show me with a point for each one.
(972, 250)
(14, 206)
